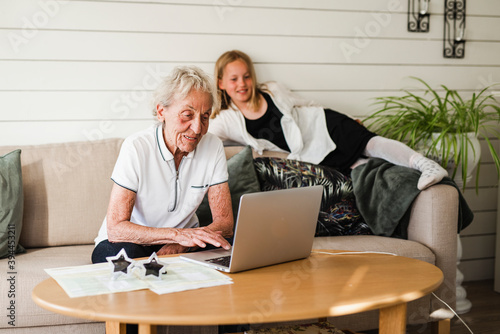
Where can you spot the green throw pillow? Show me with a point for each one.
(242, 180)
(11, 204)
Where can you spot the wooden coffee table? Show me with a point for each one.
(320, 286)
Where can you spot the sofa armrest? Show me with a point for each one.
(433, 223)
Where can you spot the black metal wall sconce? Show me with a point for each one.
(454, 29)
(418, 15)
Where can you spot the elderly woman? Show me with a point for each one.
(162, 174)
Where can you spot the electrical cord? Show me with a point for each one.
(353, 253)
(455, 313)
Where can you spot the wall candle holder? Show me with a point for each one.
(418, 15)
(454, 29)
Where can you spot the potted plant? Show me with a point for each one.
(445, 126)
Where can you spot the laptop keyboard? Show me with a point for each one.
(223, 260)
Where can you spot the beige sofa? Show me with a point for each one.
(66, 191)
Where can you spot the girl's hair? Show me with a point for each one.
(179, 83)
(223, 98)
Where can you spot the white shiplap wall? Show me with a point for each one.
(83, 70)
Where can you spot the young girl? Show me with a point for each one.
(270, 117)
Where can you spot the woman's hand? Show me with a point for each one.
(201, 236)
(172, 249)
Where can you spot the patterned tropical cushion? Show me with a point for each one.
(338, 214)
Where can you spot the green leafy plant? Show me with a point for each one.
(440, 122)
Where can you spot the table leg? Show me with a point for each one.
(392, 320)
(147, 329)
(115, 327)
(441, 327)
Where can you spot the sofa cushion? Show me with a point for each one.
(242, 180)
(372, 243)
(65, 184)
(338, 214)
(11, 203)
(30, 272)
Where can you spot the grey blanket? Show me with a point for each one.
(384, 194)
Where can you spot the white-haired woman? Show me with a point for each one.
(162, 174)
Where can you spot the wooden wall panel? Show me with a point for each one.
(135, 104)
(484, 224)
(477, 269)
(478, 7)
(33, 106)
(88, 75)
(375, 20)
(478, 247)
(41, 132)
(132, 47)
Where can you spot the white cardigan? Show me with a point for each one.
(303, 124)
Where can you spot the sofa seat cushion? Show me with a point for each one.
(30, 271)
(371, 243)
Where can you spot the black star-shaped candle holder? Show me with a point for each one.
(121, 264)
(153, 267)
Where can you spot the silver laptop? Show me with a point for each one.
(272, 227)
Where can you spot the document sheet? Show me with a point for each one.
(96, 279)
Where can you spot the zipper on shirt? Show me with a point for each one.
(176, 191)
